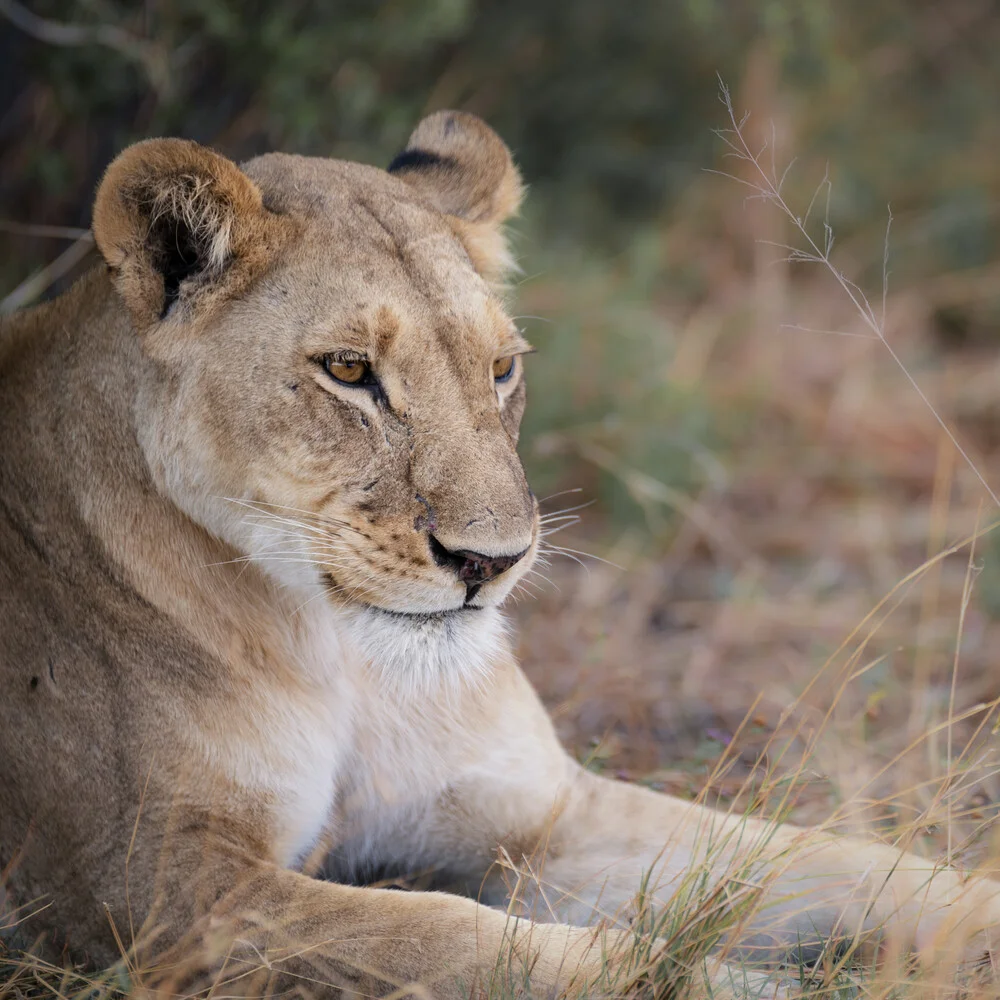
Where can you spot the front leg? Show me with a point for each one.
(228, 924)
(788, 889)
(583, 845)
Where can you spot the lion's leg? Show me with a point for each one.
(584, 844)
(273, 931)
(277, 932)
(788, 888)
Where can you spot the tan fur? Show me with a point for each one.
(230, 659)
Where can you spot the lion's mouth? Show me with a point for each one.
(422, 617)
(412, 617)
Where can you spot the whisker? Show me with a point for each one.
(285, 527)
(322, 524)
(575, 559)
(323, 592)
(561, 517)
(267, 518)
(539, 574)
(558, 527)
(546, 581)
(567, 510)
(324, 554)
(563, 550)
(561, 493)
(258, 504)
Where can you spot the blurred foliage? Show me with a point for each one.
(604, 413)
(609, 109)
(609, 106)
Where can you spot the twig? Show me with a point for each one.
(35, 284)
(32, 229)
(150, 56)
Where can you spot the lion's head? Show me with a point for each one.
(335, 386)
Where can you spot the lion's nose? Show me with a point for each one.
(473, 568)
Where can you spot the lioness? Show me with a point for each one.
(260, 504)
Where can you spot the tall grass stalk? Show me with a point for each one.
(767, 184)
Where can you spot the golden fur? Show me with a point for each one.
(249, 625)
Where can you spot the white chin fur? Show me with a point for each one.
(419, 652)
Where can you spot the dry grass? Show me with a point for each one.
(826, 607)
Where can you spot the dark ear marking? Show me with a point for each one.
(177, 257)
(419, 159)
(464, 170)
(462, 167)
(188, 226)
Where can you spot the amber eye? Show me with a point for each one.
(503, 368)
(350, 371)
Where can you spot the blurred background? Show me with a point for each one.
(759, 589)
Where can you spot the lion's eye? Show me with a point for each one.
(503, 368)
(350, 371)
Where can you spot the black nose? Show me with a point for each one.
(473, 568)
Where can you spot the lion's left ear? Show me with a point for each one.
(179, 224)
(465, 170)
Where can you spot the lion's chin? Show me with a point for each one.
(421, 651)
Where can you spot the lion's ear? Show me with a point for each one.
(179, 226)
(465, 170)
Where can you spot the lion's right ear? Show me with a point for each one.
(180, 227)
(465, 170)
